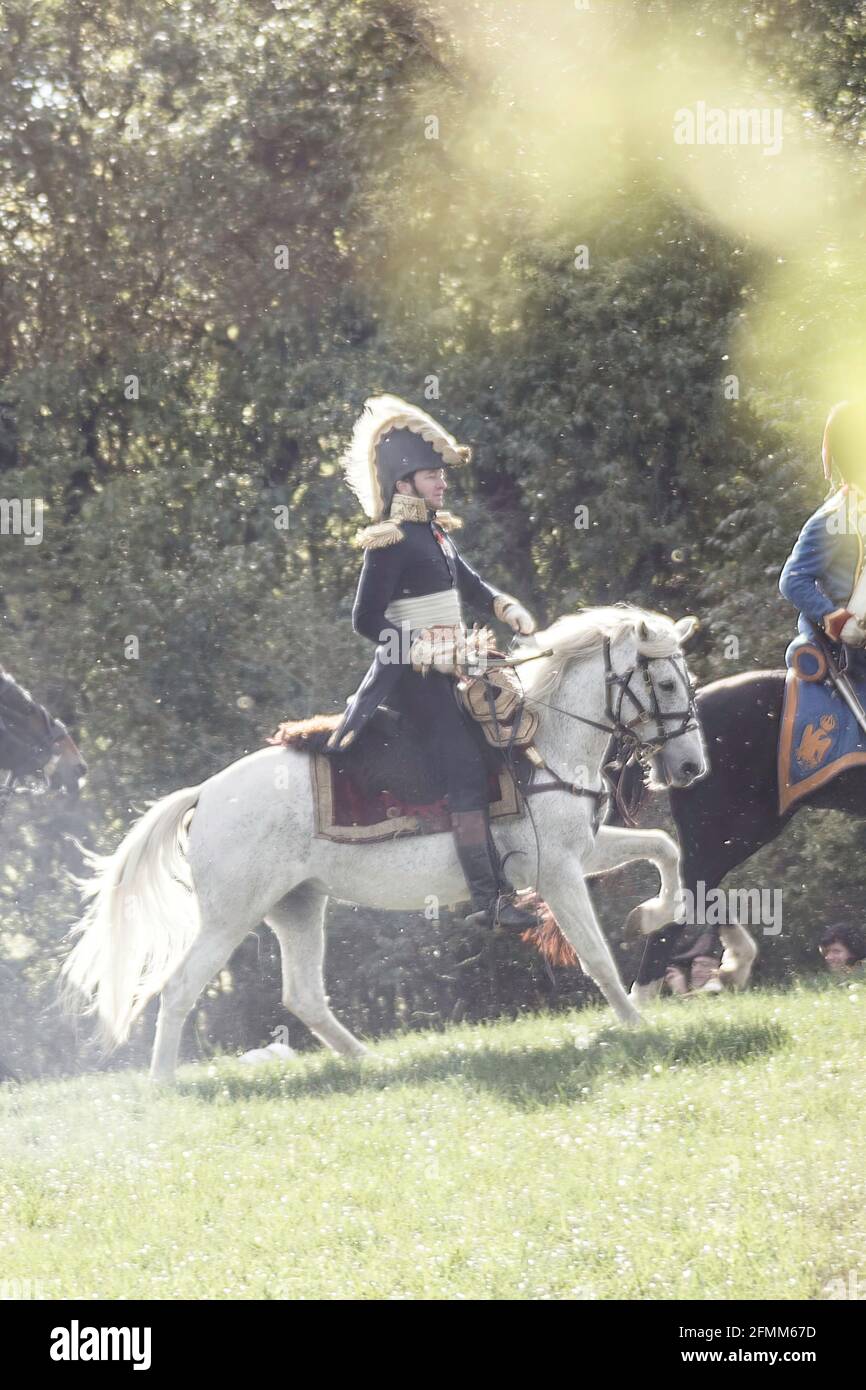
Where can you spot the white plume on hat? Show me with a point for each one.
(381, 414)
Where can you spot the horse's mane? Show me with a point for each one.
(13, 696)
(576, 635)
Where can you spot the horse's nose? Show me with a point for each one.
(690, 769)
(70, 780)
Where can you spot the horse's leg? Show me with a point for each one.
(568, 896)
(298, 924)
(739, 948)
(654, 962)
(726, 817)
(207, 955)
(737, 960)
(615, 846)
(699, 863)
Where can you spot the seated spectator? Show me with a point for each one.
(688, 976)
(694, 967)
(843, 948)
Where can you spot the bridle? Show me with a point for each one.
(651, 710)
(618, 689)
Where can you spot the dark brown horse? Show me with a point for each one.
(35, 744)
(731, 813)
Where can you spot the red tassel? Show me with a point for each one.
(546, 937)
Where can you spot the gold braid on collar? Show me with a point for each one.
(404, 507)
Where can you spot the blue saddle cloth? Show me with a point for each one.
(819, 736)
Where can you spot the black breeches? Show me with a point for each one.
(429, 704)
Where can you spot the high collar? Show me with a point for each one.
(405, 507)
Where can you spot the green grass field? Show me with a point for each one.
(718, 1153)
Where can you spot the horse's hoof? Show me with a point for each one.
(647, 918)
(630, 1018)
(641, 995)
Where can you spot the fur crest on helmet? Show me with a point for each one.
(381, 414)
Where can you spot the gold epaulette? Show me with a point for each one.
(381, 534)
(389, 532)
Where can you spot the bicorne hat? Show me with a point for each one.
(392, 439)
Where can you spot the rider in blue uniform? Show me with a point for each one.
(822, 569)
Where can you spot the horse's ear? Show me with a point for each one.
(686, 629)
(643, 631)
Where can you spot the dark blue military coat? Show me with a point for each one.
(424, 561)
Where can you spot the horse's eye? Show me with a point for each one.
(667, 685)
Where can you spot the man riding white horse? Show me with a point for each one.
(410, 603)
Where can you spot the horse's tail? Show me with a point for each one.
(142, 919)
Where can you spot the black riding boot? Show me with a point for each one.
(492, 905)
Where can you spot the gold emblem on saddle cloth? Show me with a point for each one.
(816, 743)
(493, 699)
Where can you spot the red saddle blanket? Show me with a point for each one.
(385, 784)
(346, 810)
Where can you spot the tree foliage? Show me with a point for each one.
(222, 225)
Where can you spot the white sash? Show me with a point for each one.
(426, 610)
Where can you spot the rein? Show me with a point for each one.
(617, 727)
(624, 732)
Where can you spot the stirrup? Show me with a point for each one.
(491, 915)
(523, 919)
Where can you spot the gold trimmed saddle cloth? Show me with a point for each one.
(384, 785)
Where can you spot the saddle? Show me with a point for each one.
(384, 785)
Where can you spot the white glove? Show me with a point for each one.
(509, 611)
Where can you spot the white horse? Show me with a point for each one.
(204, 866)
